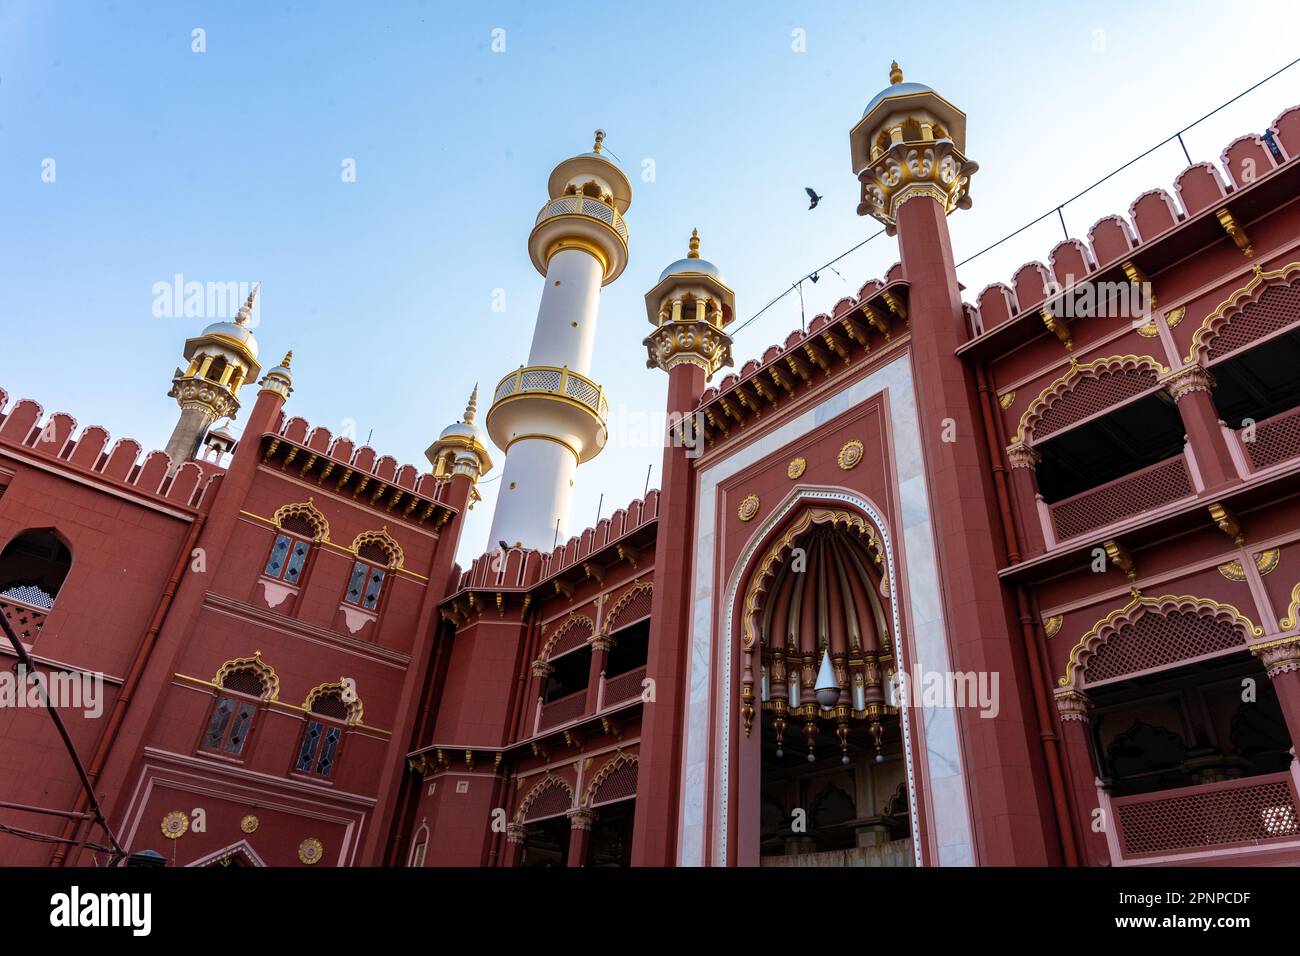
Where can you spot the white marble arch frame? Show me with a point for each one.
(938, 757)
(807, 497)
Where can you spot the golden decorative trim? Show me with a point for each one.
(249, 824)
(1007, 400)
(1292, 612)
(797, 467)
(1064, 383)
(310, 851)
(279, 705)
(620, 758)
(1235, 231)
(1052, 626)
(1082, 650)
(576, 242)
(1265, 562)
(175, 824)
(624, 599)
(396, 558)
(342, 688)
(308, 511)
(850, 456)
(270, 679)
(1232, 570)
(1212, 323)
(573, 620)
(1176, 316)
(749, 506)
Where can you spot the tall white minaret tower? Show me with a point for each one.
(548, 416)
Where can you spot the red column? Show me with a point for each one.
(580, 822)
(599, 657)
(1281, 660)
(654, 833)
(1190, 388)
(1024, 482)
(1081, 767)
(1008, 818)
(515, 833)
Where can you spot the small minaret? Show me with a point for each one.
(459, 450)
(548, 416)
(690, 307)
(221, 359)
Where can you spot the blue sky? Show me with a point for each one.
(225, 166)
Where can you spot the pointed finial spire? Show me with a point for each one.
(895, 74)
(600, 138)
(288, 357)
(246, 310)
(472, 408)
(695, 245)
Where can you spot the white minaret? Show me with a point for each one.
(548, 416)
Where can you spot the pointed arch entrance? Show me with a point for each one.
(818, 583)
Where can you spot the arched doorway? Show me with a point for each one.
(818, 655)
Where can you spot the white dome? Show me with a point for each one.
(462, 430)
(685, 266)
(898, 89)
(231, 330)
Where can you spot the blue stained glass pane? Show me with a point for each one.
(373, 587)
(309, 742)
(275, 563)
(326, 762)
(358, 582)
(217, 728)
(239, 730)
(296, 560)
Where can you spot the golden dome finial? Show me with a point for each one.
(246, 310)
(695, 245)
(288, 357)
(472, 408)
(895, 74)
(600, 138)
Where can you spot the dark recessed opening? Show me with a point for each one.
(569, 674)
(1260, 383)
(1126, 440)
(631, 645)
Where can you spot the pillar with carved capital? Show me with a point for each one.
(1081, 766)
(1190, 389)
(515, 833)
(1281, 660)
(1024, 484)
(689, 308)
(580, 824)
(600, 645)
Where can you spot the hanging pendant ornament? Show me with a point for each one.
(828, 689)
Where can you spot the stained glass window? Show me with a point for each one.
(365, 585)
(287, 559)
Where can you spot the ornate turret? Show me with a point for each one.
(222, 359)
(910, 141)
(548, 416)
(279, 380)
(690, 307)
(459, 450)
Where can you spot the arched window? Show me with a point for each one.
(377, 554)
(33, 567)
(300, 526)
(329, 712)
(243, 684)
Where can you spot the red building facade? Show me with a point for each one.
(933, 582)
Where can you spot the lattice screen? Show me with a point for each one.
(1154, 640)
(1150, 488)
(635, 609)
(1275, 440)
(554, 799)
(244, 681)
(1276, 308)
(619, 785)
(575, 636)
(1242, 814)
(1093, 395)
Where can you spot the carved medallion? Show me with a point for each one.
(850, 455)
(248, 824)
(748, 508)
(310, 851)
(797, 467)
(175, 824)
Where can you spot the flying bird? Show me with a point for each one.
(813, 198)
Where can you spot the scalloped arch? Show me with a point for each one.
(1138, 606)
(308, 511)
(344, 689)
(1231, 307)
(551, 782)
(621, 759)
(385, 541)
(624, 601)
(270, 679)
(573, 620)
(1079, 372)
